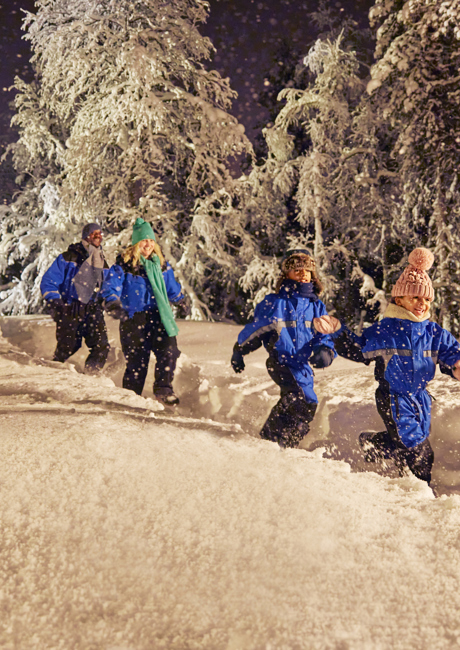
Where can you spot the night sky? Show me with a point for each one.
(245, 33)
(14, 50)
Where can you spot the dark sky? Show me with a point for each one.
(14, 51)
(245, 33)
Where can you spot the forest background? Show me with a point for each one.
(353, 155)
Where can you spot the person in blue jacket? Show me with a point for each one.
(405, 346)
(138, 290)
(71, 288)
(283, 324)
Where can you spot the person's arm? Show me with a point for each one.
(50, 285)
(173, 288)
(111, 290)
(449, 355)
(260, 331)
(346, 343)
(112, 285)
(319, 352)
(52, 279)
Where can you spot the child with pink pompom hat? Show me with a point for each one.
(405, 346)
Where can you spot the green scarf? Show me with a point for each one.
(153, 270)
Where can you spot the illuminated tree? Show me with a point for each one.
(123, 120)
(416, 87)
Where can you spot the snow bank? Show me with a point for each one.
(210, 390)
(125, 530)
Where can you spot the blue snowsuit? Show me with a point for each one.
(283, 324)
(141, 331)
(405, 354)
(75, 321)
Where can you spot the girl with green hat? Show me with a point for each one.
(138, 291)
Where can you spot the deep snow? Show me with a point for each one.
(129, 527)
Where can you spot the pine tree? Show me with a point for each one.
(416, 86)
(338, 184)
(124, 120)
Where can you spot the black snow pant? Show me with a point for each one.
(419, 459)
(140, 335)
(76, 322)
(289, 420)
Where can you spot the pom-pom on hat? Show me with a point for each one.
(88, 229)
(142, 230)
(414, 280)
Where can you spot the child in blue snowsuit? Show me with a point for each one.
(283, 324)
(137, 291)
(405, 346)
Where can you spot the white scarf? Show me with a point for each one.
(396, 311)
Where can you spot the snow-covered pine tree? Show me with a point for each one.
(416, 86)
(128, 119)
(337, 183)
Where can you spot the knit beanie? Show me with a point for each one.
(414, 280)
(142, 230)
(88, 229)
(297, 260)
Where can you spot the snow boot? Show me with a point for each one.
(166, 396)
(378, 447)
(375, 445)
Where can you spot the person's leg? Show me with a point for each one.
(420, 460)
(135, 344)
(166, 353)
(409, 413)
(68, 332)
(289, 420)
(95, 335)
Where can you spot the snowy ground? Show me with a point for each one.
(128, 527)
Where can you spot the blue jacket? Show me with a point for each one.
(283, 324)
(132, 287)
(57, 280)
(406, 353)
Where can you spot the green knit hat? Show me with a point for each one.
(142, 230)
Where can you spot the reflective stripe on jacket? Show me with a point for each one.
(409, 351)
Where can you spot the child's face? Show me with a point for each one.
(300, 275)
(415, 304)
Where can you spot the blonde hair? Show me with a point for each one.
(133, 254)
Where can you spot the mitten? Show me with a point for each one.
(116, 310)
(185, 306)
(237, 360)
(54, 308)
(326, 324)
(322, 357)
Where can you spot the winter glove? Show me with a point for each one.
(115, 310)
(322, 357)
(54, 308)
(184, 306)
(326, 324)
(237, 360)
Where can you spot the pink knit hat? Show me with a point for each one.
(414, 280)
